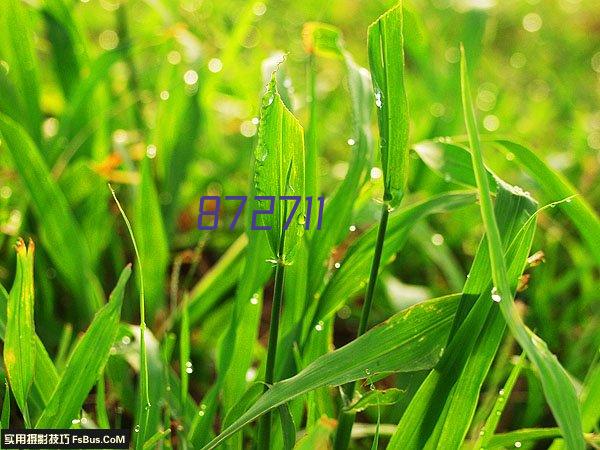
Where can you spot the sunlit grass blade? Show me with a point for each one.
(86, 362)
(61, 235)
(556, 187)
(558, 388)
(19, 341)
(410, 340)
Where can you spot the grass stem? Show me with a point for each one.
(346, 419)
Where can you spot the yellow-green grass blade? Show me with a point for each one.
(386, 59)
(151, 240)
(558, 388)
(17, 49)
(61, 235)
(410, 340)
(19, 340)
(556, 187)
(86, 362)
(280, 171)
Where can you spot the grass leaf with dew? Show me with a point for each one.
(408, 341)
(19, 340)
(86, 363)
(280, 172)
(558, 388)
(386, 59)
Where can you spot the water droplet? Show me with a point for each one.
(301, 219)
(5, 192)
(319, 326)
(482, 432)
(372, 387)
(164, 95)
(568, 200)
(174, 57)
(75, 421)
(501, 392)
(498, 413)
(259, 8)
(201, 413)
(351, 142)
(352, 228)
(337, 265)
(376, 173)
(368, 371)
(518, 444)
(215, 65)
(378, 102)
(495, 295)
(151, 151)
(254, 299)
(255, 120)
(437, 239)
(190, 77)
(532, 22)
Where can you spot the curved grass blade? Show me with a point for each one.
(19, 341)
(558, 388)
(410, 340)
(144, 397)
(62, 236)
(86, 362)
(386, 59)
(557, 187)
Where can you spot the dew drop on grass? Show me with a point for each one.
(337, 265)
(501, 392)
(301, 219)
(518, 444)
(254, 299)
(200, 413)
(75, 421)
(368, 372)
(352, 228)
(136, 429)
(351, 142)
(378, 101)
(319, 326)
(496, 295)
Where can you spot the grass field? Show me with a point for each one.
(411, 257)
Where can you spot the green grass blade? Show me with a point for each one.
(144, 405)
(86, 362)
(184, 353)
(19, 341)
(16, 48)
(558, 388)
(61, 235)
(386, 59)
(319, 437)
(287, 426)
(280, 171)
(556, 187)
(151, 240)
(508, 440)
(408, 341)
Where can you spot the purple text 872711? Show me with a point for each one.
(210, 205)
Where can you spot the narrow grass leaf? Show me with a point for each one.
(319, 437)
(377, 398)
(86, 362)
(386, 59)
(408, 341)
(288, 427)
(558, 388)
(19, 341)
(5, 417)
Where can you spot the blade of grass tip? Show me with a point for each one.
(488, 430)
(5, 418)
(144, 400)
(558, 388)
(19, 341)
(386, 59)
